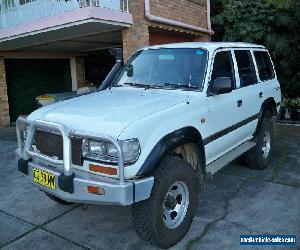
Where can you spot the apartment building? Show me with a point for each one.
(52, 46)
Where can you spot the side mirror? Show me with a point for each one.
(129, 70)
(221, 85)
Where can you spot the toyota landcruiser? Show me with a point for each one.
(172, 116)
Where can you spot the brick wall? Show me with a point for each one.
(136, 36)
(204, 38)
(4, 108)
(187, 11)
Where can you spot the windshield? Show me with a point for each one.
(164, 68)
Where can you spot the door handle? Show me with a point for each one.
(261, 94)
(240, 103)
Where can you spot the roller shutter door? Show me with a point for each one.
(29, 78)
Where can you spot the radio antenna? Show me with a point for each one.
(189, 89)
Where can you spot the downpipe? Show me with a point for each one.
(159, 19)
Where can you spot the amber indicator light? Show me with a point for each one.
(103, 170)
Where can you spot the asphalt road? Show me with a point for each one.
(237, 201)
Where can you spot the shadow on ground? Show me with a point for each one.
(237, 201)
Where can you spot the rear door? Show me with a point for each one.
(269, 85)
(250, 92)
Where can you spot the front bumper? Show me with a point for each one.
(71, 184)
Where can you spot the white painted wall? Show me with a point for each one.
(73, 73)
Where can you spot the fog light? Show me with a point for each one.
(96, 190)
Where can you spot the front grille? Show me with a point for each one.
(51, 144)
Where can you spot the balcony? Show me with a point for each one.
(17, 11)
(53, 20)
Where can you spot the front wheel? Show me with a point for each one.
(166, 216)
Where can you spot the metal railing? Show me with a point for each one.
(14, 12)
(27, 152)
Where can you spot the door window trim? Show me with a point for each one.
(234, 87)
(272, 64)
(253, 64)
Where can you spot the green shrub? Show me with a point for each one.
(291, 103)
(272, 23)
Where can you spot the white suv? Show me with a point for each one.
(173, 115)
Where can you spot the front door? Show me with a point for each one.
(224, 110)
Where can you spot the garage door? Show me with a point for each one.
(160, 38)
(29, 78)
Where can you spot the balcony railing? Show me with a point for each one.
(14, 12)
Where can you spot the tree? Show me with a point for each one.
(282, 3)
(272, 23)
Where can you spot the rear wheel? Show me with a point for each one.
(166, 216)
(259, 157)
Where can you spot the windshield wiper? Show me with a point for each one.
(141, 85)
(152, 86)
(138, 85)
(178, 85)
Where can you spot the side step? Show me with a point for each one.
(221, 162)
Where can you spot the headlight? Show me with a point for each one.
(107, 152)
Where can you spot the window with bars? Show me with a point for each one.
(6, 5)
(89, 2)
(22, 2)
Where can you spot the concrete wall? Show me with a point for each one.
(80, 72)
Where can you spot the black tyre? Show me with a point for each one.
(58, 200)
(167, 215)
(259, 157)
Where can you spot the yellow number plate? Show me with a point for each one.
(44, 178)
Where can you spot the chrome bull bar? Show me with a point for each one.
(26, 148)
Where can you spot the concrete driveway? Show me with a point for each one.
(237, 201)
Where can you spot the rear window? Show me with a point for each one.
(246, 67)
(264, 65)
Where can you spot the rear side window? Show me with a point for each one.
(245, 67)
(264, 65)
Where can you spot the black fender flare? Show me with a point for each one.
(168, 143)
(268, 104)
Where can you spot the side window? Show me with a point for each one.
(223, 67)
(245, 67)
(264, 65)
